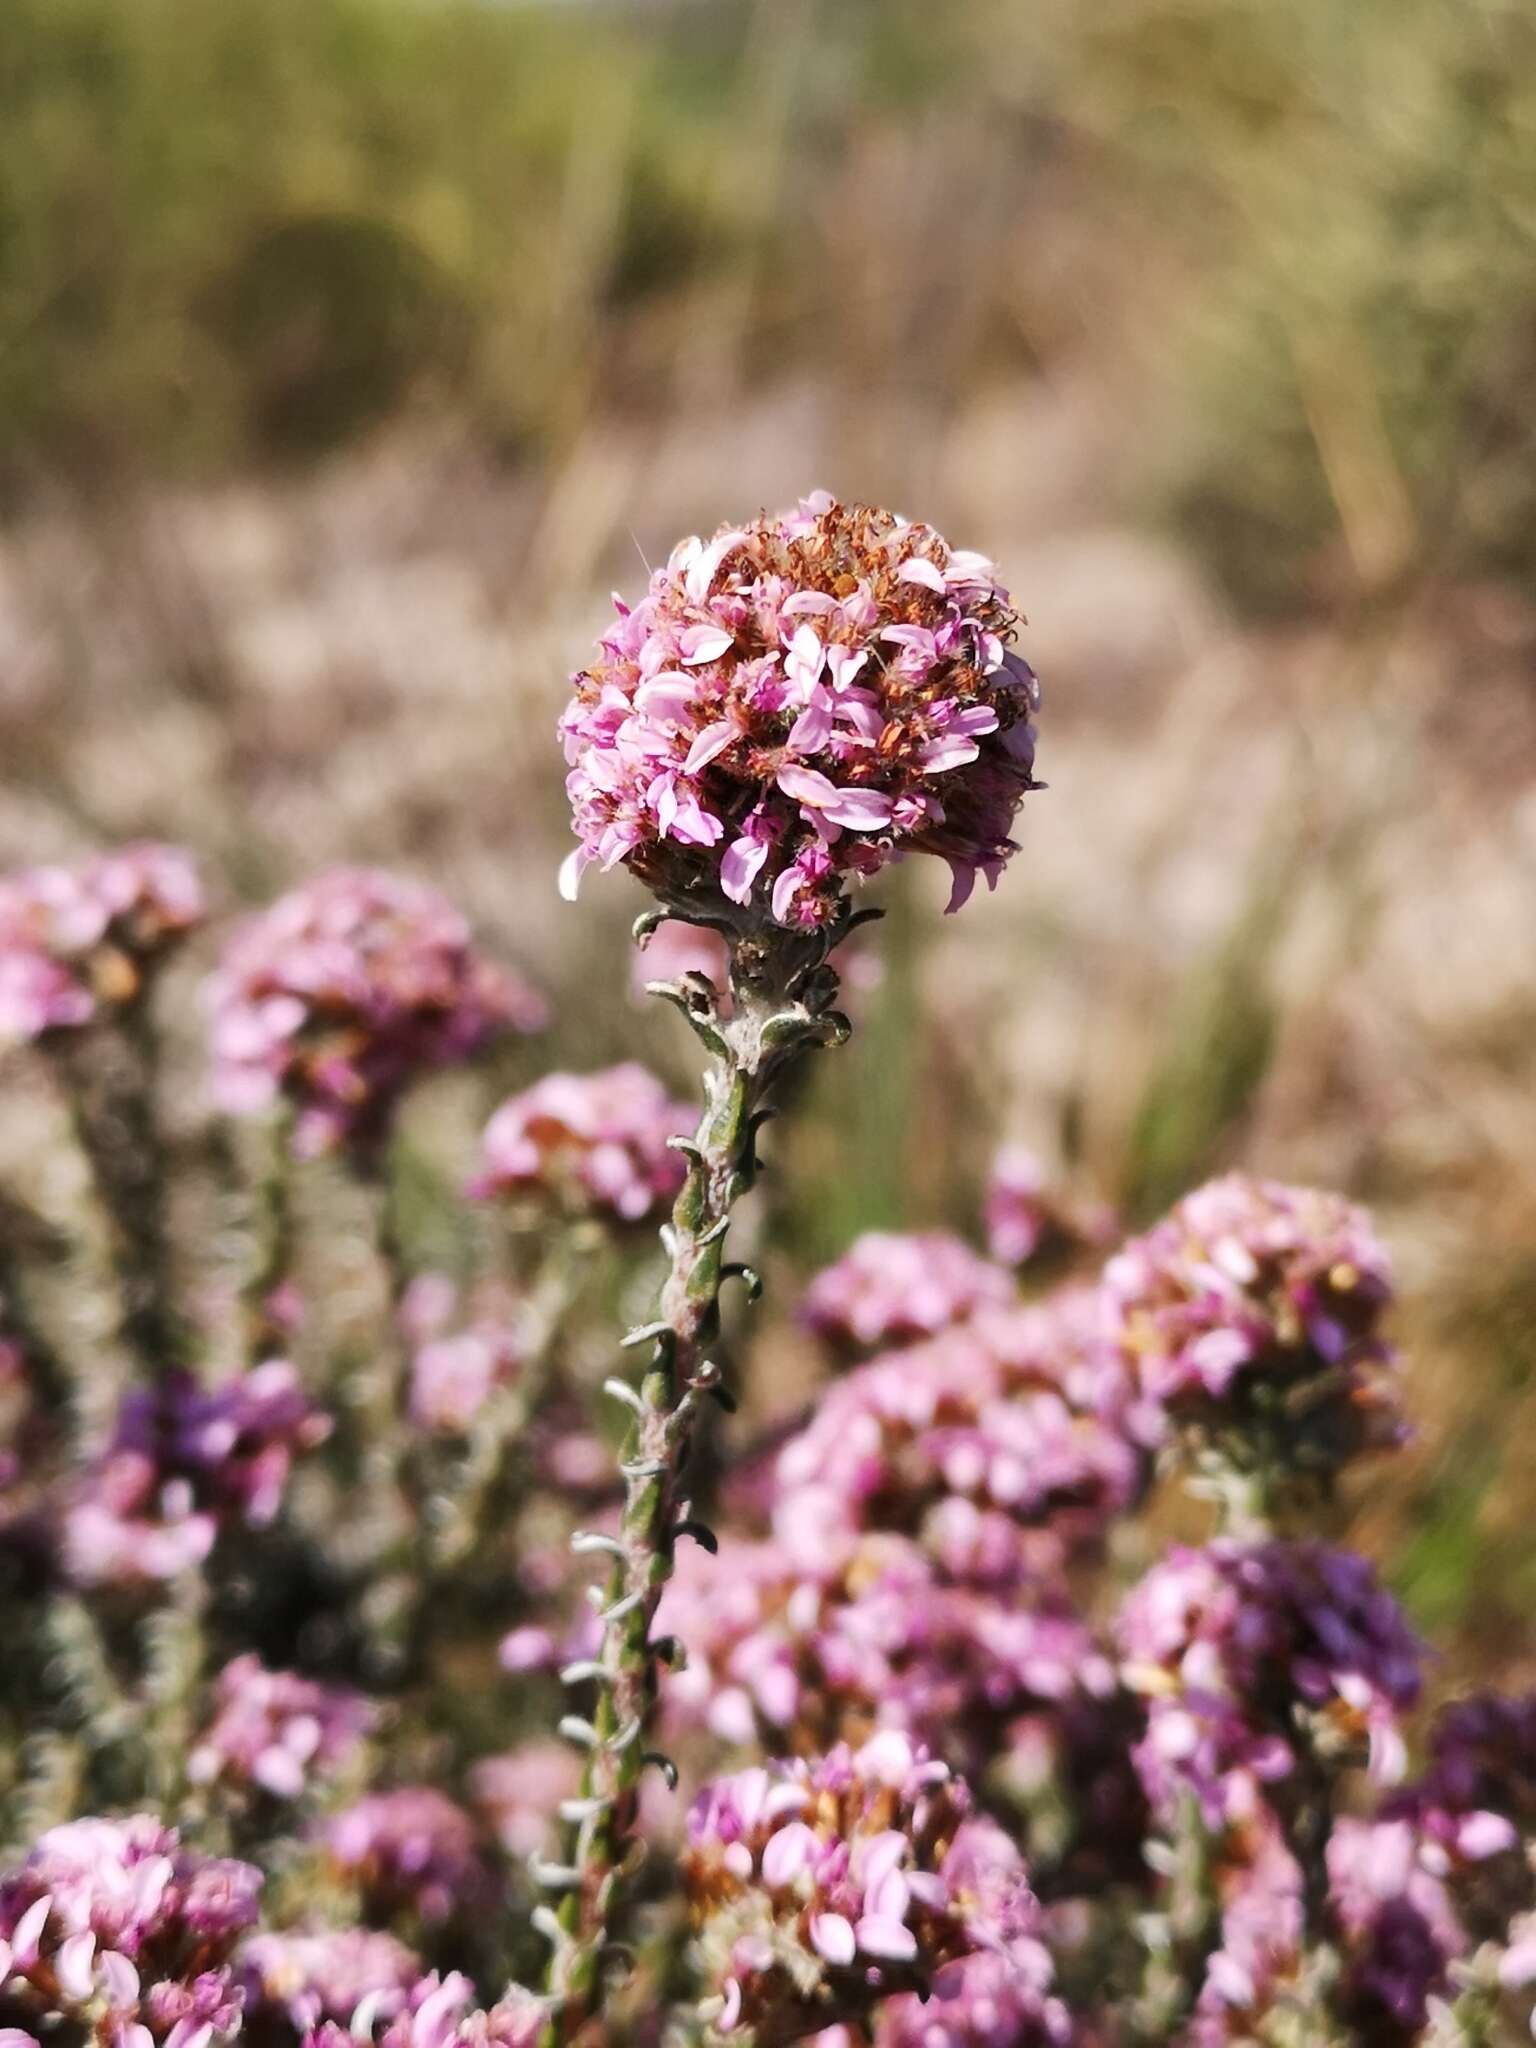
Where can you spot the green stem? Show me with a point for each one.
(108, 1081)
(782, 994)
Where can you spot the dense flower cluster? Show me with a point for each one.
(278, 1731)
(452, 1377)
(76, 943)
(1250, 1290)
(1024, 1218)
(888, 1288)
(412, 1847)
(441, 2013)
(519, 1791)
(115, 1927)
(588, 1143)
(345, 991)
(1254, 1654)
(185, 1460)
(801, 699)
(816, 1888)
(979, 1442)
(1398, 1926)
(305, 1978)
(854, 1634)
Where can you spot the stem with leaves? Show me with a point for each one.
(783, 993)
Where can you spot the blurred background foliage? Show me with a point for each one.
(349, 349)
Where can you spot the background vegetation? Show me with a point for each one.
(351, 349)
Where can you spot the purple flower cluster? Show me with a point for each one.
(1001, 1445)
(303, 1978)
(277, 1731)
(343, 992)
(800, 699)
(452, 1377)
(411, 1848)
(1251, 1287)
(817, 1888)
(1023, 1218)
(864, 1632)
(440, 2012)
(519, 1791)
(184, 1461)
(888, 1289)
(1398, 1928)
(590, 1144)
(1253, 1656)
(76, 943)
(110, 1925)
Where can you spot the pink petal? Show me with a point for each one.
(918, 569)
(704, 643)
(889, 1939)
(832, 1938)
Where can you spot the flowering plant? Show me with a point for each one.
(313, 1732)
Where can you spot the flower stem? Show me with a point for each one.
(782, 994)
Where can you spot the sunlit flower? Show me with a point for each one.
(799, 700)
(588, 1143)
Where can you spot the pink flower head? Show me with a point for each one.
(518, 1793)
(410, 1847)
(440, 2012)
(842, 1634)
(888, 1288)
(277, 1731)
(1250, 1286)
(113, 1923)
(344, 992)
(813, 1886)
(77, 943)
(330, 1973)
(800, 699)
(590, 1143)
(452, 1377)
(1246, 1650)
(184, 1462)
(1001, 1444)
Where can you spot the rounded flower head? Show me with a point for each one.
(802, 699)
(1251, 1653)
(1251, 1295)
(589, 1143)
(816, 1889)
(440, 2012)
(307, 1978)
(345, 991)
(79, 942)
(888, 1288)
(186, 1460)
(410, 1847)
(278, 1731)
(112, 1925)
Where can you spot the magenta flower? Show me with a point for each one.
(412, 1847)
(1250, 1289)
(1019, 1421)
(186, 1460)
(802, 699)
(847, 1634)
(112, 1926)
(818, 1888)
(278, 1731)
(79, 942)
(327, 1973)
(452, 1377)
(518, 1793)
(588, 1143)
(440, 2012)
(1399, 1930)
(887, 1289)
(345, 991)
(1246, 1653)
